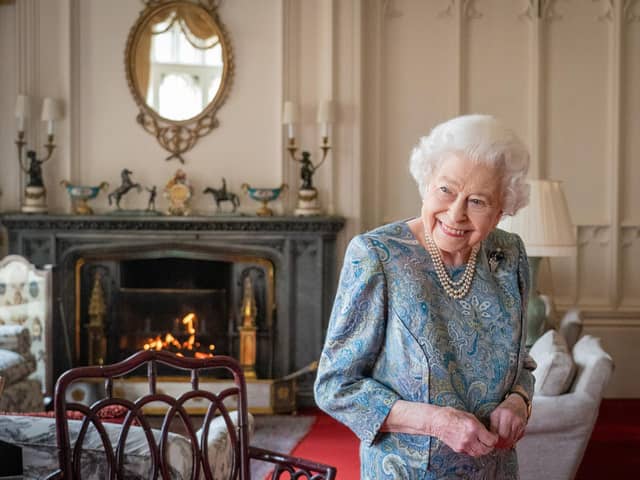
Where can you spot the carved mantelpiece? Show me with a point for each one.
(301, 249)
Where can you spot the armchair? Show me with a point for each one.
(25, 302)
(560, 425)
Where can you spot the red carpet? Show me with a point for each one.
(331, 442)
(613, 451)
(614, 448)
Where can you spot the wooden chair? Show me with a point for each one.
(71, 456)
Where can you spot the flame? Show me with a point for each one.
(172, 343)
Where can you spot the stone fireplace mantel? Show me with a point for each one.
(301, 250)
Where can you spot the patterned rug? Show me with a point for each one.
(280, 433)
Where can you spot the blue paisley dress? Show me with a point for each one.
(395, 334)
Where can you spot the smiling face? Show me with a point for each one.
(461, 206)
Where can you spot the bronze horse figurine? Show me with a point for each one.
(126, 185)
(222, 195)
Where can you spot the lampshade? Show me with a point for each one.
(325, 112)
(545, 224)
(290, 113)
(51, 110)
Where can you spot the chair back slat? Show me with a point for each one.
(158, 443)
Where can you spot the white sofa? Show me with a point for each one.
(560, 425)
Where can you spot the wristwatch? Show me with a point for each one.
(527, 401)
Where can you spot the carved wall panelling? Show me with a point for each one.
(496, 28)
(448, 10)
(548, 10)
(470, 9)
(630, 10)
(614, 17)
(630, 266)
(578, 101)
(594, 270)
(390, 9)
(607, 10)
(630, 116)
(530, 11)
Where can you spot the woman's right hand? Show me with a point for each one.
(462, 432)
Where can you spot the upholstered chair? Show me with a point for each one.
(25, 302)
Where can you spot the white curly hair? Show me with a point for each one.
(481, 138)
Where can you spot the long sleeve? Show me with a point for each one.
(345, 387)
(525, 379)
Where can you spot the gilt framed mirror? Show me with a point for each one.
(179, 67)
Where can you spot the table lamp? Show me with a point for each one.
(546, 230)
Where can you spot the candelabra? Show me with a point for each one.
(308, 201)
(35, 193)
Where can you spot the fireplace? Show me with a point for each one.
(136, 278)
(188, 301)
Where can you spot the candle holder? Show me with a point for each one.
(35, 193)
(308, 201)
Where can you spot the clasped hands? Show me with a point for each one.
(464, 433)
(461, 431)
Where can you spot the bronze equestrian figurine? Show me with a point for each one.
(125, 185)
(222, 195)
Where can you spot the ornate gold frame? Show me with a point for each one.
(178, 137)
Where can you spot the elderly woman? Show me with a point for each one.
(424, 357)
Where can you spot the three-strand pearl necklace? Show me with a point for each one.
(457, 289)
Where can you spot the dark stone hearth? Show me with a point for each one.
(301, 250)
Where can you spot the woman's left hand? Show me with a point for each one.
(509, 420)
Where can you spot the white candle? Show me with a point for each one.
(50, 127)
(22, 111)
(290, 116)
(325, 116)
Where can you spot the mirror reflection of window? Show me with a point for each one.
(180, 96)
(185, 71)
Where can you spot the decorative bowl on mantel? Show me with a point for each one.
(79, 194)
(264, 195)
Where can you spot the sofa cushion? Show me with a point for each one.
(219, 448)
(571, 327)
(15, 338)
(556, 369)
(14, 367)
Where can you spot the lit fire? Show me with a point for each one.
(173, 344)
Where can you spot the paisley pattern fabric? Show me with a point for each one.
(395, 334)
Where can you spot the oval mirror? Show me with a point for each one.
(179, 65)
